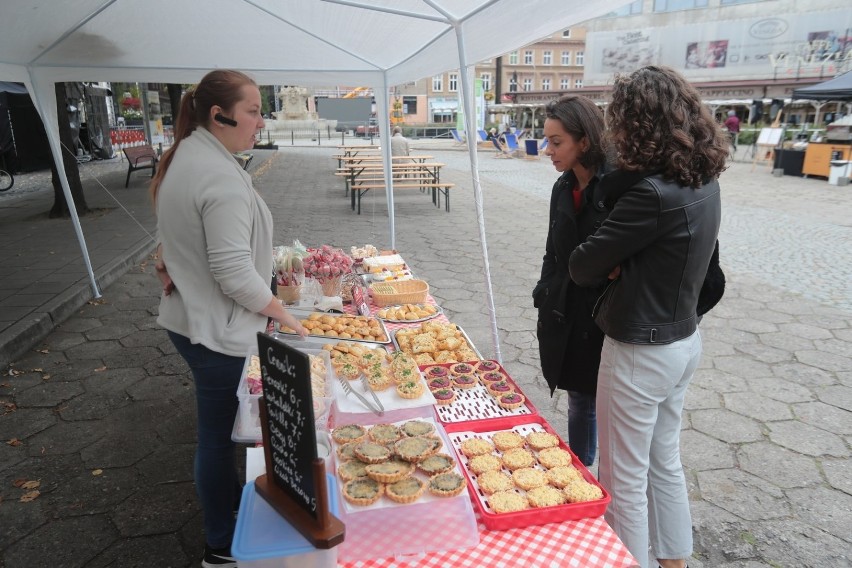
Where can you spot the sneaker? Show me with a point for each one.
(218, 558)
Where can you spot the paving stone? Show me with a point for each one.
(826, 508)
(838, 472)
(48, 394)
(93, 406)
(112, 330)
(19, 519)
(146, 338)
(64, 438)
(60, 340)
(793, 543)
(133, 357)
(806, 439)
(823, 360)
(163, 551)
(95, 350)
(777, 465)
(780, 390)
(90, 494)
(72, 536)
(110, 382)
(719, 381)
(156, 510)
(78, 325)
(741, 367)
(11, 455)
(806, 331)
(167, 365)
(25, 422)
(743, 494)
(802, 374)
(75, 369)
(837, 347)
(824, 416)
(726, 425)
(700, 452)
(156, 388)
(760, 408)
(168, 464)
(19, 383)
(752, 325)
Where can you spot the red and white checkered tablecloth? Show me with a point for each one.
(587, 543)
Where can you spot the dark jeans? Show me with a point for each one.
(216, 482)
(582, 426)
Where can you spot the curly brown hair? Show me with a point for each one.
(657, 122)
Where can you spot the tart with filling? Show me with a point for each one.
(507, 440)
(508, 502)
(405, 374)
(541, 440)
(492, 377)
(553, 457)
(363, 491)
(494, 481)
(439, 463)
(406, 490)
(349, 433)
(384, 433)
(417, 448)
(353, 469)
(439, 383)
(476, 447)
(349, 371)
(487, 366)
(546, 496)
(436, 371)
(529, 478)
(444, 396)
(483, 463)
(580, 491)
(517, 458)
(371, 452)
(447, 484)
(511, 400)
(498, 388)
(465, 381)
(461, 369)
(418, 428)
(389, 471)
(346, 452)
(410, 389)
(560, 476)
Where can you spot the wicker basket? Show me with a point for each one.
(399, 292)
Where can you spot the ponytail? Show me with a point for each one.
(184, 126)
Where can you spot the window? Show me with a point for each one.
(566, 33)
(545, 84)
(675, 5)
(629, 9)
(486, 81)
(438, 83)
(578, 83)
(513, 58)
(453, 83)
(528, 57)
(563, 83)
(566, 58)
(578, 59)
(547, 58)
(409, 105)
(528, 84)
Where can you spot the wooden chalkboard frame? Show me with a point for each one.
(294, 483)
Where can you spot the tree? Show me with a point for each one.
(69, 158)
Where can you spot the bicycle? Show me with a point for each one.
(7, 180)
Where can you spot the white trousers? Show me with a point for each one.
(639, 403)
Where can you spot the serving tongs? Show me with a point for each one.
(347, 388)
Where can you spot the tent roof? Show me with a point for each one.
(300, 42)
(837, 89)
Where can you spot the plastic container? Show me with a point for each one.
(839, 169)
(247, 424)
(477, 404)
(264, 539)
(532, 516)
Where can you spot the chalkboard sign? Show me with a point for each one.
(292, 445)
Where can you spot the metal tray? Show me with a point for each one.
(461, 330)
(436, 314)
(301, 313)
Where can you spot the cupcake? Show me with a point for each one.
(465, 381)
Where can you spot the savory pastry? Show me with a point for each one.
(517, 458)
(353, 469)
(379, 380)
(580, 491)
(511, 401)
(461, 369)
(465, 381)
(483, 463)
(439, 463)
(417, 448)
(444, 396)
(418, 428)
(529, 477)
(410, 389)
(553, 457)
(541, 440)
(494, 481)
(363, 491)
(384, 433)
(349, 371)
(347, 451)
(437, 383)
(447, 484)
(348, 433)
(507, 502)
(507, 440)
(389, 471)
(371, 452)
(476, 447)
(406, 490)
(546, 496)
(401, 374)
(561, 475)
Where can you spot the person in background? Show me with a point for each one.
(732, 125)
(215, 267)
(655, 247)
(569, 341)
(399, 143)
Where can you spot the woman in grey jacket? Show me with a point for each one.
(655, 246)
(216, 240)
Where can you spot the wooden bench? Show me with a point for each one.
(140, 158)
(437, 190)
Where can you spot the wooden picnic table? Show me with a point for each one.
(360, 178)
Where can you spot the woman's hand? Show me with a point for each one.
(287, 320)
(163, 273)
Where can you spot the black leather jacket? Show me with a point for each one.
(662, 236)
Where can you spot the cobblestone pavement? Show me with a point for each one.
(101, 410)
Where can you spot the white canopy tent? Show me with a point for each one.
(378, 43)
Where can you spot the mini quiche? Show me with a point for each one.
(511, 400)
(461, 369)
(405, 374)
(447, 484)
(465, 381)
(553, 457)
(371, 452)
(349, 371)
(476, 447)
(410, 389)
(541, 440)
(494, 481)
(418, 428)
(406, 490)
(363, 491)
(384, 433)
(417, 448)
(346, 452)
(439, 463)
(546, 496)
(349, 433)
(353, 469)
(444, 396)
(508, 502)
(389, 471)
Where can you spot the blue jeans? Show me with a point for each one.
(582, 426)
(216, 481)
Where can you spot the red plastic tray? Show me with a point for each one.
(532, 516)
(477, 404)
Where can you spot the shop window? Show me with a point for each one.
(677, 5)
(409, 105)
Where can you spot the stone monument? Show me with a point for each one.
(294, 114)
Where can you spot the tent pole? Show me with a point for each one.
(383, 112)
(51, 126)
(467, 94)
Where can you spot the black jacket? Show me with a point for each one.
(662, 236)
(569, 341)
